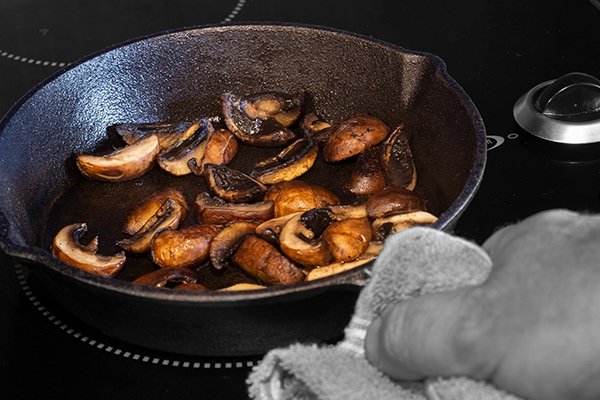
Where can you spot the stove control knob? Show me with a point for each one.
(566, 110)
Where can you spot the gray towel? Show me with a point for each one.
(416, 261)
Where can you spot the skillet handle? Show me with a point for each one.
(6, 244)
(16, 251)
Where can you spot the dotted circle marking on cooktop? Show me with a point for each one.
(26, 60)
(112, 349)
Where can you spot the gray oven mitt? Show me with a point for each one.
(417, 261)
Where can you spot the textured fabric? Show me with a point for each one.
(414, 262)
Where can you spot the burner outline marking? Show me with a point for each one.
(26, 60)
(22, 279)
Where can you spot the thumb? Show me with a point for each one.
(431, 335)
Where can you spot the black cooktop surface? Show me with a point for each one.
(495, 50)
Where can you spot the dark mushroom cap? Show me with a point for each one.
(254, 131)
(353, 136)
(394, 200)
(167, 276)
(397, 160)
(233, 185)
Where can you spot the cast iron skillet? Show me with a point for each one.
(177, 75)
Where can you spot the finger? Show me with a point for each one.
(548, 220)
(431, 335)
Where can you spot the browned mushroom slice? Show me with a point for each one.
(353, 136)
(289, 164)
(282, 107)
(383, 227)
(367, 176)
(191, 286)
(347, 239)
(221, 147)
(264, 262)
(255, 131)
(335, 268)
(296, 195)
(315, 127)
(167, 276)
(168, 216)
(300, 238)
(68, 248)
(394, 200)
(270, 229)
(233, 185)
(167, 132)
(397, 160)
(243, 287)
(210, 211)
(175, 159)
(227, 241)
(345, 211)
(182, 248)
(150, 205)
(126, 163)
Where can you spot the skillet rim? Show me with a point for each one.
(349, 279)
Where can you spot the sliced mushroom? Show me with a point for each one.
(367, 176)
(191, 145)
(221, 147)
(167, 132)
(290, 163)
(168, 216)
(167, 276)
(264, 262)
(353, 136)
(182, 248)
(296, 195)
(300, 238)
(255, 131)
(345, 211)
(394, 200)
(282, 107)
(192, 286)
(242, 287)
(68, 248)
(126, 163)
(315, 127)
(210, 211)
(270, 229)
(227, 241)
(150, 205)
(335, 268)
(233, 185)
(383, 227)
(397, 160)
(347, 239)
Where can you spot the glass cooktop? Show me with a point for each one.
(495, 50)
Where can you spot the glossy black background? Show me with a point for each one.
(495, 50)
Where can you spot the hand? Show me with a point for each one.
(533, 328)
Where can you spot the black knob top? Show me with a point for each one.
(565, 110)
(572, 97)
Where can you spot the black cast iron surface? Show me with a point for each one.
(495, 50)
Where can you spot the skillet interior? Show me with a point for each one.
(105, 206)
(179, 74)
